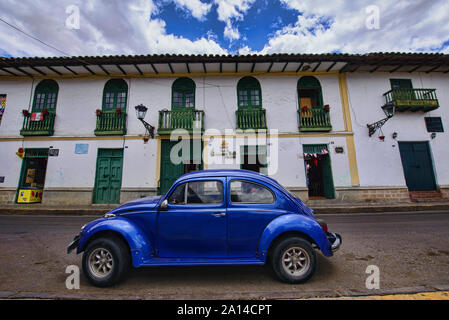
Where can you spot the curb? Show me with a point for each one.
(99, 211)
(323, 294)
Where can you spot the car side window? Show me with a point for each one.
(204, 192)
(249, 192)
(197, 192)
(178, 196)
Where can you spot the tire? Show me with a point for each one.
(293, 260)
(105, 261)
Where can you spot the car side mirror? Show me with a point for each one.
(164, 205)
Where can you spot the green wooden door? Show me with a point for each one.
(108, 178)
(402, 84)
(417, 165)
(171, 171)
(325, 175)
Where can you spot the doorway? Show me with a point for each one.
(317, 164)
(417, 165)
(32, 176)
(108, 176)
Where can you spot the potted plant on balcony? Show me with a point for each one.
(118, 111)
(326, 108)
(25, 112)
(304, 109)
(44, 112)
(98, 112)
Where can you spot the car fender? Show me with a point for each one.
(294, 223)
(138, 242)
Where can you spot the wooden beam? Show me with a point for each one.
(71, 70)
(397, 68)
(300, 66)
(236, 67)
(24, 72)
(104, 70)
(87, 68)
(154, 68)
(252, 67)
(221, 67)
(55, 71)
(204, 67)
(316, 67)
(415, 68)
(285, 66)
(10, 72)
(269, 68)
(121, 69)
(375, 68)
(434, 68)
(39, 71)
(171, 68)
(188, 68)
(331, 66)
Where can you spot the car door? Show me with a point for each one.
(194, 223)
(251, 206)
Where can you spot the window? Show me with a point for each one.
(183, 93)
(309, 93)
(434, 124)
(249, 93)
(197, 192)
(115, 94)
(249, 192)
(45, 95)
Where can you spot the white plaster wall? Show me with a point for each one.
(379, 163)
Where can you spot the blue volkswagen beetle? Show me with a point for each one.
(211, 217)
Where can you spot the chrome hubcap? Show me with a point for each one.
(100, 262)
(295, 261)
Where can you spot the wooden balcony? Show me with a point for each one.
(44, 127)
(110, 124)
(251, 119)
(188, 119)
(411, 100)
(315, 119)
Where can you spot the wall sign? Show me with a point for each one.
(339, 150)
(53, 152)
(81, 148)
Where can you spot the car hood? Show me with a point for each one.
(147, 203)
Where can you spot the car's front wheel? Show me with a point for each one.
(294, 260)
(105, 261)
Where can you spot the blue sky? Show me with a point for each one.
(114, 27)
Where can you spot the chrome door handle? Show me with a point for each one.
(219, 214)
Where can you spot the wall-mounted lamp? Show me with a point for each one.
(433, 135)
(141, 111)
(394, 135)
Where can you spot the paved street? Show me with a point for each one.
(410, 249)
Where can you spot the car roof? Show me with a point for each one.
(228, 173)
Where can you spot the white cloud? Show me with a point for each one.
(106, 28)
(326, 26)
(197, 8)
(230, 11)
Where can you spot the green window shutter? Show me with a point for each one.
(434, 124)
(45, 96)
(115, 95)
(310, 88)
(249, 93)
(183, 93)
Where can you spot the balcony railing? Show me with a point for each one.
(251, 119)
(315, 119)
(188, 119)
(412, 99)
(44, 127)
(110, 124)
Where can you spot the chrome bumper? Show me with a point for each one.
(335, 240)
(73, 244)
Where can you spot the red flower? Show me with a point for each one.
(98, 112)
(326, 108)
(118, 111)
(25, 112)
(381, 138)
(304, 109)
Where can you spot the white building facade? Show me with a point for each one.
(69, 134)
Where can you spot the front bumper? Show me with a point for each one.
(335, 240)
(73, 244)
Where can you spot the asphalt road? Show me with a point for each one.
(410, 250)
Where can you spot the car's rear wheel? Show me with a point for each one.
(105, 261)
(293, 260)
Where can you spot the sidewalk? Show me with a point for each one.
(327, 208)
